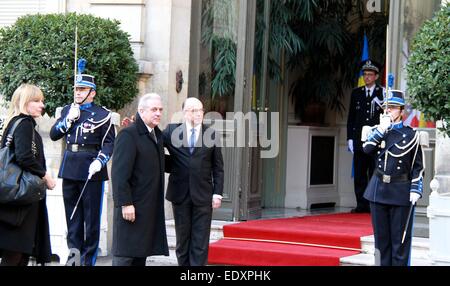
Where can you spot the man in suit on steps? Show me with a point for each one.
(195, 182)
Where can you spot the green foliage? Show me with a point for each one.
(332, 33)
(428, 68)
(221, 42)
(282, 38)
(314, 37)
(39, 49)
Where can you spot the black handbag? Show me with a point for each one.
(18, 187)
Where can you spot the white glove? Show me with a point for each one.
(414, 197)
(385, 123)
(350, 145)
(94, 167)
(74, 112)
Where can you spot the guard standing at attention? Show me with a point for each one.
(397, 182)
(89, 134)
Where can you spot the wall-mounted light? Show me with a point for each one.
(179, 81)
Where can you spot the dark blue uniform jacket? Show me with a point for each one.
(400, 151)
(94, 130)
(363, 111)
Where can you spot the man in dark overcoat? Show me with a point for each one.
(139, 228)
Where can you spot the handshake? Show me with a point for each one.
(385, 123)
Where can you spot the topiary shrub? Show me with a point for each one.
(428, 68)
(40, 49)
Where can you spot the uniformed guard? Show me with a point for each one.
(365, 109)
(396, 184)
(89, 134)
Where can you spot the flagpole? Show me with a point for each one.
(387, 53)
(387, 67)
(75, 61)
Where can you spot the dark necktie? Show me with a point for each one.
(192, 141)
(153, 135)
(368, 93)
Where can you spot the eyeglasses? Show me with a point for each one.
(195, 110)
(368, 74)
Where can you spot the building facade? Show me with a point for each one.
(172, 41)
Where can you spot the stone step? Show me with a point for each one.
(216, 229)
(420, 253)
(420, 247)
(160, 260)
(171, 260)
(366, 259)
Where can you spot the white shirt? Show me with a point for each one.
(189, 131)
(371, 89)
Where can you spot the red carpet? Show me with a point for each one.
(334, 236)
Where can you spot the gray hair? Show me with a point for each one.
(144, 100)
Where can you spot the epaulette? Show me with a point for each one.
(359, 87)
(105, 108)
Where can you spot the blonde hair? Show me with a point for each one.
(24, 94)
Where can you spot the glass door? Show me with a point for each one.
(216, 77)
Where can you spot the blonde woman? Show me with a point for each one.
(24, 230)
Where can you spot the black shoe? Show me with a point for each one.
(359, 210)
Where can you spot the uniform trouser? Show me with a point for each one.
(388, 225)
(192, 227)
(363, 165)
(84, 228)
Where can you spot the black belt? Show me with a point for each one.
(79, 148)
(391, 179)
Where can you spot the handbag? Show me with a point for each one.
(18, 187)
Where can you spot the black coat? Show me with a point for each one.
(363, 111)
(25, 228)
(200, 174)
(138, 179)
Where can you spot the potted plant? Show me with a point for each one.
(328, 65)
(319, 41)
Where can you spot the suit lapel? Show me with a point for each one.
(143, 130)
(377, 96)
(199, 143)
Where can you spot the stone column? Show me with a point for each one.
(439, 209)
